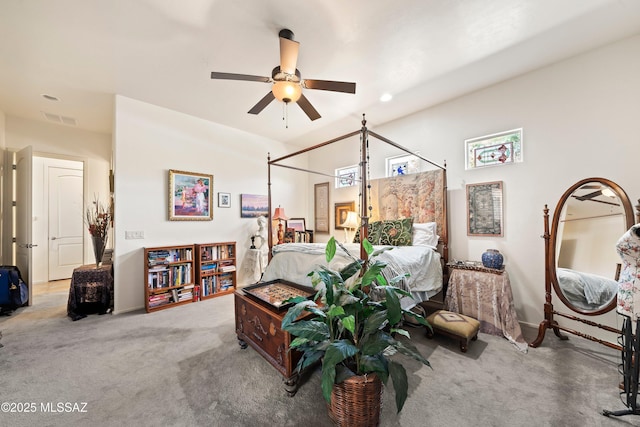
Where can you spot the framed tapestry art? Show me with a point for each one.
(190, 196)
(484, 209)
(321, 207)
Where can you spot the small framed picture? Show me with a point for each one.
(342, 209)
(190, 196)
(290, 235)
(297, 224)
(224, 200)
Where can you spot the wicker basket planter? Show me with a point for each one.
(357, 401)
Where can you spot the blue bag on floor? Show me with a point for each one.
(14, 292)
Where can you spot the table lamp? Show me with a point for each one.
(280, 216)
(350, 223)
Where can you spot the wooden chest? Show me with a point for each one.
(258, 324)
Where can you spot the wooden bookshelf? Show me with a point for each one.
(169, 276)
(215, 269)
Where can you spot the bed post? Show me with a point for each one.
(364, 217)
(269, 221)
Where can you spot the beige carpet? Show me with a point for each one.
(183, 367)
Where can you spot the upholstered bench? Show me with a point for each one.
(454, 325)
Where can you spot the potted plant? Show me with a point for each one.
(351, 334)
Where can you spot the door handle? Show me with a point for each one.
(26, 245)
(53, 238)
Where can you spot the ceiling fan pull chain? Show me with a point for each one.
(285, 114)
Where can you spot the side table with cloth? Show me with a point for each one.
(91, 291)
(486, 296)
(255, 263)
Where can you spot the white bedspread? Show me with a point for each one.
(585, 290)
(294, 261)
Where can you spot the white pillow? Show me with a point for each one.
(424, 234)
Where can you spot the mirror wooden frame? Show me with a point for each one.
(551, 279)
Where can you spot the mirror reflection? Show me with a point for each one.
(591, 220)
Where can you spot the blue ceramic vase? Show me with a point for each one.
(492, 258)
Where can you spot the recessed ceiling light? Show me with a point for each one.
(50, 97)
(386, 97)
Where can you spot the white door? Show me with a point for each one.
(66, 221)
(24, 166)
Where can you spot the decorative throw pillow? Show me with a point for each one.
(396, 233)
(424, 234)
(373, 233)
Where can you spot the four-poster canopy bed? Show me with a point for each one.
(423, 198)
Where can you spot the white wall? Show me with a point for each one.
(150, 140)
(580, 119)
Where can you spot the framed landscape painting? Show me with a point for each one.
(298, 224)
(190, 196)
(253, 205)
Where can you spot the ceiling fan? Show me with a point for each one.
(592, 195)
(287, 81)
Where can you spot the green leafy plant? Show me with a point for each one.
(351, 334)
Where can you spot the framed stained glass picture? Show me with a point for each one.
(402, 165)
(347, 176)
(493, 150)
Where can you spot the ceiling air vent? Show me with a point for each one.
(70, 121)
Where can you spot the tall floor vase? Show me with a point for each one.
(99, 243)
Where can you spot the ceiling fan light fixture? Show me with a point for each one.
(287, 91)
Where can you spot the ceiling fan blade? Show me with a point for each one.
(306, 106)
(330, 85)
(288, 55)
(262, 103)
(243, 77)
(590, 195)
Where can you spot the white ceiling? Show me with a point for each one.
(162, 52)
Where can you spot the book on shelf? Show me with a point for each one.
(159, 299)
(206, 254)
(208, 267)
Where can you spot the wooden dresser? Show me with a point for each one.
(258, 324)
